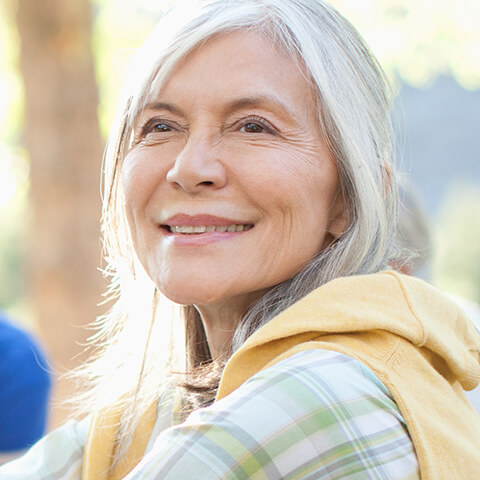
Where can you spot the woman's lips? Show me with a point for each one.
(183, 219)
(202, 229)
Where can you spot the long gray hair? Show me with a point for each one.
(353, 108)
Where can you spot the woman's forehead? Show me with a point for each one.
(240, 68)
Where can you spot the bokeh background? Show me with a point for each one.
(62, 64)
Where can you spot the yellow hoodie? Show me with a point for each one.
(418, 342)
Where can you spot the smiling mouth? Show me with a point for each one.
(199, 229)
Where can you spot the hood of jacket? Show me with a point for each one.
(399, 304)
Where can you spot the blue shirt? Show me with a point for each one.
(24, 389)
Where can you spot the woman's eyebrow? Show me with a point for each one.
(170, 107)
(271, 102)
(264, 100)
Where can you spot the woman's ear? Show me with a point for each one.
(339, 217)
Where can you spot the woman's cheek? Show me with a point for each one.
(140, 176)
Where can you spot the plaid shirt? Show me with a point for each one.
(315, 415)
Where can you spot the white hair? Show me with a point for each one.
(354, 105)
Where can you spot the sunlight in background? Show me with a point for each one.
(419, 39)
(8, 186)
(14, 172)
(13, 168)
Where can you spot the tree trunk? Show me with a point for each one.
(63, 140)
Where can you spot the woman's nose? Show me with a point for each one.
(198, 166)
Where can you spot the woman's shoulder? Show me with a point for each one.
(315, 412)
(58, 455)
(321, 380)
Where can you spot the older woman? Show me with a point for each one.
(249, 180)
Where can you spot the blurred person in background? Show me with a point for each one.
(24, 390)
(413, 233)
(415, 237)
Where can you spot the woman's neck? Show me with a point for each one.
(220, 321)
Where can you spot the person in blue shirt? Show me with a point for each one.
(24, 392)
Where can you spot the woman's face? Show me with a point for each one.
(229, 187)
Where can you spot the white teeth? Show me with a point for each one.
(189, 229)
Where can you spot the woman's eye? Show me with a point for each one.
(251, 127)
(155, 130)
(159, 127)
(256, 126)
(155, 125)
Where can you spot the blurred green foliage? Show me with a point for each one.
(456, 256)
(11, 253)
(13, 166)
(11, 86)
(420, 39)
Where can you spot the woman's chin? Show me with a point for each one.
(190, 296)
